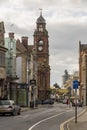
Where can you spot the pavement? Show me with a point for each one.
(81, 123)
(28, 108)
(25, 109)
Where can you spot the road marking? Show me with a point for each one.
(44, 120)
(25, 116)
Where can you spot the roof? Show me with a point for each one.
(40, 19)
(20, 47)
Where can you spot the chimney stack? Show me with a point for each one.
(11, 35)
(25, 41)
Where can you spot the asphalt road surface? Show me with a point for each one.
(46, 117)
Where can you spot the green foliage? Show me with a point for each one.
(56, 86)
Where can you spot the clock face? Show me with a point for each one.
(40, 42)
(40, 48)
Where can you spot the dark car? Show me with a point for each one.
(48, 101)
(9, 107)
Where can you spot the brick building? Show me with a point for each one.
(41, 44)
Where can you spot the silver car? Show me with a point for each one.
(9, 107)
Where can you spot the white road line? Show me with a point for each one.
(44, 120)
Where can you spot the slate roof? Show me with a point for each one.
(20, 47)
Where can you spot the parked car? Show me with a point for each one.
(48, 101)
(39, 102)
(9, 107)
(64, 101)
(60, 100)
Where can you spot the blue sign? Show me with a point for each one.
(75, 84)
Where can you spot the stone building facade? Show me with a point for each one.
(2, 61)
(21, 59)
(22, 71)
(83, 72)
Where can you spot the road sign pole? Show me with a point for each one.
(75, 86)
(75, 105)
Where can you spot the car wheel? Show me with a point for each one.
(3, 114)
(19, 113)
(14, 113)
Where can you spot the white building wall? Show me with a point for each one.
(19, 68)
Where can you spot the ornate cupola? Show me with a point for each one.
(40, 19)
(41, 22)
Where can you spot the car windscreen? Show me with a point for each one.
(4, 102)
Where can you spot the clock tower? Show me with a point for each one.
(41, 44)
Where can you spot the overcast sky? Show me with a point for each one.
(66, 22)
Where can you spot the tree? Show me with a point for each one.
(56, 85)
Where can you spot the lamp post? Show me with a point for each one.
(86, 81)
(33, 89)
(75, 105)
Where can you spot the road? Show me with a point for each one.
(48, 117)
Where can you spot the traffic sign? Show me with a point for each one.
(75, 84)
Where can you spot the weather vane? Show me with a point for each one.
(40, 11)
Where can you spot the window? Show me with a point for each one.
(2, 59)
(40, 28)
(4, 102)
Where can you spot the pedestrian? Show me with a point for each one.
(67, 102)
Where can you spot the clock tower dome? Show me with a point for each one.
(41, 44)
